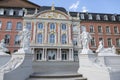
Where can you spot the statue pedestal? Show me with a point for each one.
(99, 68)
(19, 67)
(4, 58)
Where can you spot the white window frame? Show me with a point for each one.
(90, 17)
(108, 29)
(82, 16)
(1, 11)
(11, 12)
(100, 29)
(110, 42)
(92, 29)
(97, 17)
(105, 17)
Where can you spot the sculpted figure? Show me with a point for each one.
(25, 37)
(100, 47)
(85, 38)
(3, 46)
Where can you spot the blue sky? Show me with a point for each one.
(96, 6)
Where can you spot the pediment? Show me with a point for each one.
(52, 15)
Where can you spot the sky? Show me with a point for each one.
(95, 6)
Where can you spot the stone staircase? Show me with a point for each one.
(64, 76)
(56, 71)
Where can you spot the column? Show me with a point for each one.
(58, 57)
(43, 54)
(33, 52)
(45, 38)
(71, 54)
(60, 54)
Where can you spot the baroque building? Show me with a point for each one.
(55, 31)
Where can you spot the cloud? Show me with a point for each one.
(84, 9)
(74, 6)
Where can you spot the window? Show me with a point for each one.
(52, 38)
(39, 55)
(28, 24)
(40, 26)
(9, 25)
(91, 29)
(75, 41)
(39, 38)
(107, 29)
(7, 39)
(19, 26)
(52, 26)
(105, 17)
(97, 17)
(118, 42)
(1, 11)
(113, 18)
(93, 41)
(11, 12)
(99, 29)
(63, 26)
(20, 13)
(109, 40)
(17, 40)
(116, 30)
(64, 55)
(0, 25)
(82, 16)
(90, 16)
(64, 39)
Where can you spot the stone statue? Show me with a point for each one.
(100, 47)
(3, 46)
(25, 37)
(85, 38)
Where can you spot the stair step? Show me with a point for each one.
(62, 76)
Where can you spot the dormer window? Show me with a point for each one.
(82, 16)
(1, 11)
(113, 18)
(105, 17)
(20, 13)
(97, 17)
(11, 12)
(90, 16)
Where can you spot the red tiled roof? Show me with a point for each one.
(18, 4)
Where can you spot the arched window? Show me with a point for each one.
(20, 13)
(7, 39)
(52, 26)
(19, 26)
(1, 11)
(11, 12)
(39, 38)
(64, 39)
(97, 17)
(17, 40)
(113, 18)
(105, 17)
(40, 26)
(63, 26)
(52, 38)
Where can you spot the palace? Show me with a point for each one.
(55, 31)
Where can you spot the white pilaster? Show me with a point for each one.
(59, 33)
(71, 54)
(69, 33)
(45, 37)
(60, 54)
(34, 32)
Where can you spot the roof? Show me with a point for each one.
(43, 8)
(18, 4)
